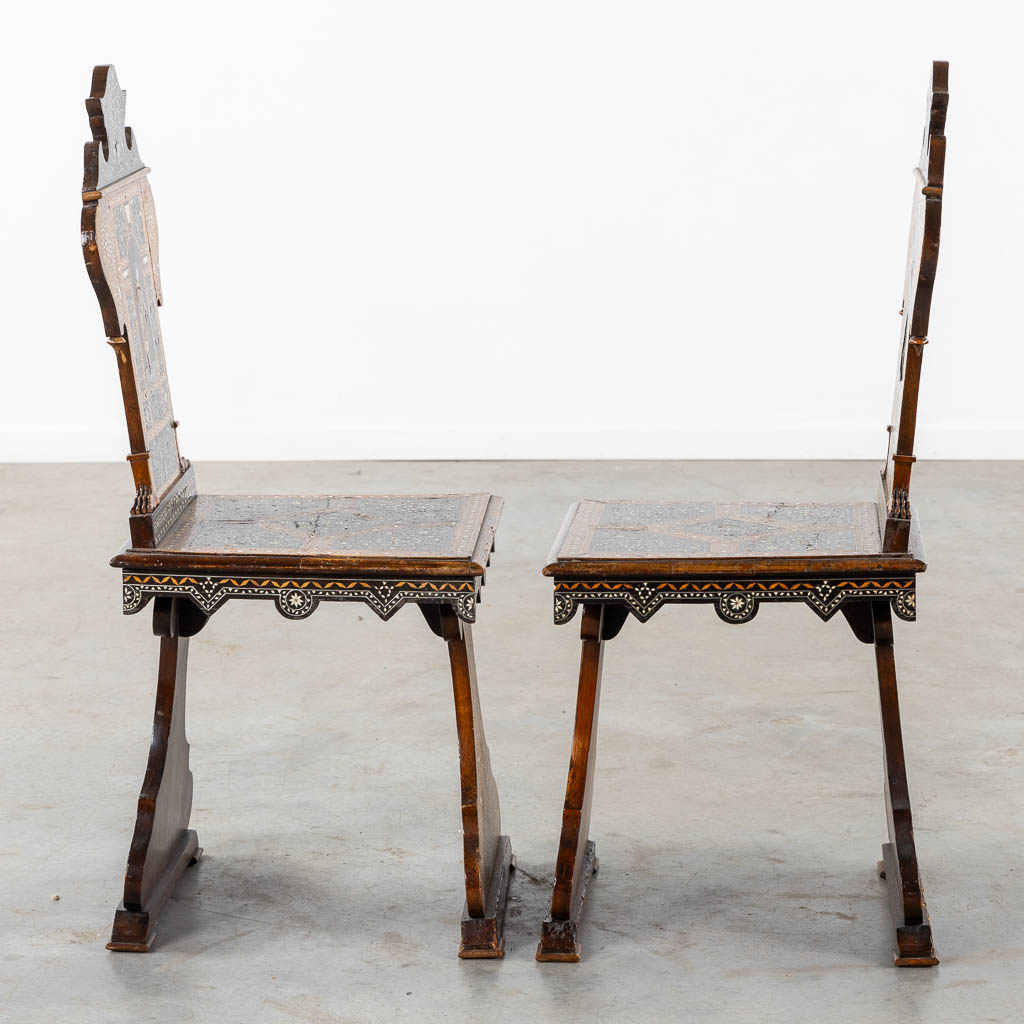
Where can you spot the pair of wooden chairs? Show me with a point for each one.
(190, 553)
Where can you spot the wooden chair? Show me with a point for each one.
(191, 552)
(616, 558)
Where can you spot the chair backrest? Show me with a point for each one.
(922, 258)
(120, 244)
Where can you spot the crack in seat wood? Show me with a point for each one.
(191, 552)
(617, 559)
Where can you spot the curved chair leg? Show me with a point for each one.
(162, 845)
(487, 853)
(577, 859)
(899, 856)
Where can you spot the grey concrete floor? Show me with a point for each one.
(737, 815)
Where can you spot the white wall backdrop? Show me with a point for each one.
(504, 230)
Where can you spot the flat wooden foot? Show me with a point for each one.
(913, 942)
(559, 939)
(134, 929)
(483, 937)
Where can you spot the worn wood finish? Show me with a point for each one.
(487, 854)
(120, 244)
(922, 261)
(673, 539)
(860, 559)
(676, 530)
(148, 525)
(191, 552)
(163, 845)
(577, 859)
(437, 534)
(899, 855)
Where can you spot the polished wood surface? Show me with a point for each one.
(860, 559)
(899, 856)
(487, 855)
(162, 845)
(190, 552)
(922, 261)
(577, 858)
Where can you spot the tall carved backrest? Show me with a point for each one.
(119, 241)
(922, 258)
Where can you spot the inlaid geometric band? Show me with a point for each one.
(298, 597)
(736, 600)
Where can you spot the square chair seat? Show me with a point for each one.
(432, 534)
(672, 538)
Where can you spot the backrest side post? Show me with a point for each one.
(120, 244)
(922, 258)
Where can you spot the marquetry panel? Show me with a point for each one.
(401, 526)
(621, 530)
(121, 244)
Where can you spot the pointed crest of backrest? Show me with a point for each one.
(121, 249)
(922, 259)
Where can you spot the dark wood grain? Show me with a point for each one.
(860, 559)
(922, 262)
(162, 845)
(576, 859)
(487, 854)
(899, 856)
(859, 616)
(190, 553)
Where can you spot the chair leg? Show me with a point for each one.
(163, 845)
(899, 856)
(577, 860)
(487, 854)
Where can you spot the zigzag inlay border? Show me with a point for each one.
(298, 597)
(737, 600)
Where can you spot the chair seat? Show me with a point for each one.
(436, 534)
(601, 538)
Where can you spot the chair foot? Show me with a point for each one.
(898, 960)
(482, 937)
(913, 942)
(558, 938)
(134, 929)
